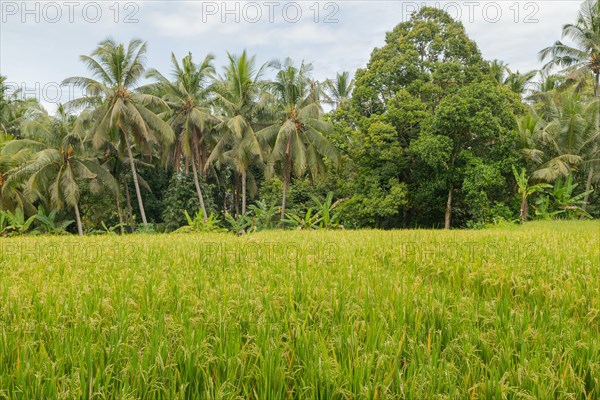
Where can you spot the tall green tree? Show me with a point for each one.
(424, 60)
(190, 115)
(429, 55)
(472, 135)
(298, 139)
(120, 113)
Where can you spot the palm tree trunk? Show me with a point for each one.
(286, 186)
(136, 184)
(243, 192)
(120, 213)
(588, 184)
(448, 216)
(202, 164)
(236, 194)
(588, 187)
(129, 208)
(198, 189)
(286, 175)
(78, 218)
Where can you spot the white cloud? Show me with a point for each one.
(48, 52)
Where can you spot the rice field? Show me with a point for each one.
(503, 313)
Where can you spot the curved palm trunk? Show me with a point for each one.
(129, 208)
(286, 185)
(243, 192)
(448, 215)
(588, 187)
(286, 175)
(198, 189)
(78, 218)
(136, 184)
(120, 213)
(236, 194)
(588, 184)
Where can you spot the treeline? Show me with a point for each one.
(429, 134)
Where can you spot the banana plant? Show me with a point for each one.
(242, 224)
(330, 219)
(526, 190)
(111, 230)
(199, 223)
(264, 215)
(16, 224)
(564, 198)
(49, 224)
(308, 221)
(543, 209)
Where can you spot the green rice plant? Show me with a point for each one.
(510, 312)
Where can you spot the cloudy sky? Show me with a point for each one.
(40, 41)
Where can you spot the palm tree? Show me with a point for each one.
(58, 163)
(12, 154)
(515, 81)
(12, 108)
(563, 139)
(121, 114)
(4, 105)
(548, 82)
(5, 159)
(338, 90)
(240, 97)
(190, 114)
(498, 71)
(297, 138)
(117, 162)
(518, 82)
(581, 59)
(584, 56)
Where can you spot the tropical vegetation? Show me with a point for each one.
(427, 134)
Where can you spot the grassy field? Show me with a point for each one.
(502, 313)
